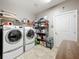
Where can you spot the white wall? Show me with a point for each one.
(65, 6)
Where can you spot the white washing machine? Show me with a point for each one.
(29, 38)
(12, 41)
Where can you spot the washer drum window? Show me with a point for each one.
(14, 36)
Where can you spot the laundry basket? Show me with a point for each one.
(50, 42)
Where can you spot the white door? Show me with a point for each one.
(65, 27)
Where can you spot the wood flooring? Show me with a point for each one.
(68, 50)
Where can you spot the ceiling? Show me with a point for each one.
(32, 6)
(23, 7)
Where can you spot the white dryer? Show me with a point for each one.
(12, 41)
(29, 38)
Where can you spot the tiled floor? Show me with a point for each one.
(39, 52)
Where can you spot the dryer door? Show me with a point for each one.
(30, 34)
(14, 36)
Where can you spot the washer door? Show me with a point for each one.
(30, 34)
(14, 36)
